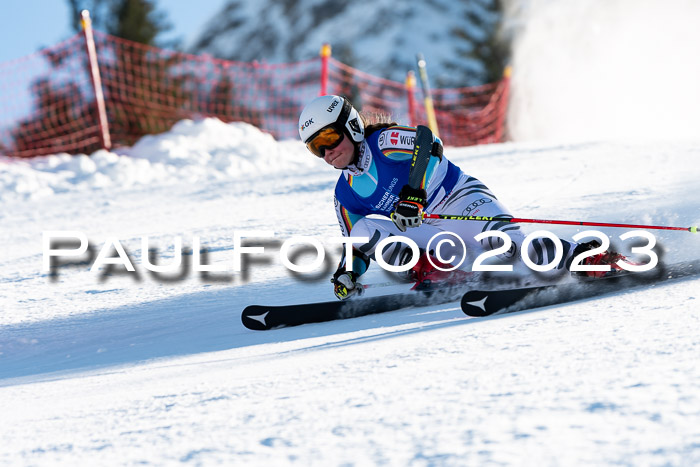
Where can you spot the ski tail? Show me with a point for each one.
(478, 303)
(261, 317)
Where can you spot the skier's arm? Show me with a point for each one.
(427, 154)
(345, 280)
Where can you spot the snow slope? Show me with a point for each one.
(116, 368)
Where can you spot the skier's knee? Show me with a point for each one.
(494, 242)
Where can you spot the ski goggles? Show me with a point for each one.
(326, 138)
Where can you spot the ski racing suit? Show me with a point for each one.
(372, 184)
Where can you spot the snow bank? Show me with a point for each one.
(192, 151)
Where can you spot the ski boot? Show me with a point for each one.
(427, 276)
(606, 258)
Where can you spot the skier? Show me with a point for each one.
(375, 160)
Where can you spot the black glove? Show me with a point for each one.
(408, 211)
(345, 284)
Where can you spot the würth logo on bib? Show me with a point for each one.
(407, 140)
(395, 138)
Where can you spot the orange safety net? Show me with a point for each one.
(465, 116)
(47, 100)
(47, 103)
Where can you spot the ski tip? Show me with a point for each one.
(478, 303)
(255, 318)
(474, 303)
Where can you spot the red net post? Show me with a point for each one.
(86, 24)
(325, 54)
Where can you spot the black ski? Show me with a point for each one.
(485, 302)
(261, 318)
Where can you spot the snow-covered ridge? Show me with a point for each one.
(192, 151)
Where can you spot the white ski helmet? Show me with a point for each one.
(327, 111)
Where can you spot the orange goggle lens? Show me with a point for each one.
(327, 138)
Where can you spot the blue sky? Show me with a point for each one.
(28, 25)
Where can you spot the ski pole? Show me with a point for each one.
(378, 285)
(549, 221)
(362, 288)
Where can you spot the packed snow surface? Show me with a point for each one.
(117, 367)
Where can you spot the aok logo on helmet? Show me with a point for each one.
(307, 123)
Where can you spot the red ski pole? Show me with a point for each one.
(549, 221)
